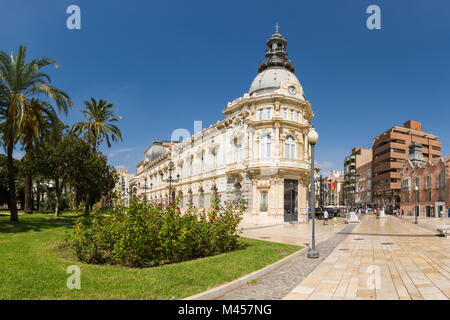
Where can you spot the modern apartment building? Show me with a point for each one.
(390, 151)
(358, 158)
(364, 185)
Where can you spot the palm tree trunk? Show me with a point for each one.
(28, 183)
(12, 181)
(57, 196)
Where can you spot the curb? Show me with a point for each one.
(220, 291)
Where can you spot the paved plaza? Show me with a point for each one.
(381, 259)
(296, 234)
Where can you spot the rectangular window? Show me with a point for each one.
(429, 181)
(215, 159)
(202, 164)
(202, 199)
(261, 116)
(268, 114)
(298, 116)
(428, 196)
(285, 113)
(238, 152)
(292, 115)
(263, 202)
(441, 180)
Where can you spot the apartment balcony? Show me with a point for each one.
(389, 165)
(285, 163)
(389, 145)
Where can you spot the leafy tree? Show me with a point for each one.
(99, 124)
(20, 81)
(68, 160)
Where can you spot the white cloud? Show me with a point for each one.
(116, 152)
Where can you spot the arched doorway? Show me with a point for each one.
(290, 200)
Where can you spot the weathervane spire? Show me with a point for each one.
(276, 27)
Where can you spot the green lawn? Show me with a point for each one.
(33, 265)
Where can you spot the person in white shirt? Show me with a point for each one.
(325, 217)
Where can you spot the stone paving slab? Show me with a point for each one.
(280, 282)
(295, 234)
(383, 259)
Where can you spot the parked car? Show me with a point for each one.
(318, 213)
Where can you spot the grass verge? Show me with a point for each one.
(34, 261)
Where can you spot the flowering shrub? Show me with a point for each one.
(147, 234)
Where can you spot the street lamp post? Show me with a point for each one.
(416, 209)
(170, 180)
(312, 139)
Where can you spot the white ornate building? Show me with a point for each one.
(258, 151)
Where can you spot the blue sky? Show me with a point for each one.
(165, 64)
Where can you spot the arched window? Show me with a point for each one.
(214, 153)
(190, 198)
(214, 194)
(180, 195)
(202, 199)
(265, 146)
(238, 151)
(237, 192)
(289, 147)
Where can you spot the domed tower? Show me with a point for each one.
(276, 53)
(267, 137)
(276, 69)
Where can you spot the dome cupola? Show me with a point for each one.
(276, 53)
(276, 69)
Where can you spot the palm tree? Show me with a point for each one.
(99, 125)
(40, 115)
(19, 82)
(99, 116)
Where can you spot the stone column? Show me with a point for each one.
(277, 150)
(302, 201)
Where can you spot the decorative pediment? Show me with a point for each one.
(263, 184)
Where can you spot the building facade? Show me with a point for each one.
(432, 178)
(123, 187)
(259, 151)
(332, 190)
(358, 158)
(364, 185)
(390, 151)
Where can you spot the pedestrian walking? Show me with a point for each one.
(325, 217)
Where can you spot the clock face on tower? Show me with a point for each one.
(292, 90)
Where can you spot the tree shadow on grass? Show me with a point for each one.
(33, 223)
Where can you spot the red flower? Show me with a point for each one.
(213, 218)
(171, 204)
(178, 208)
(210, 220)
